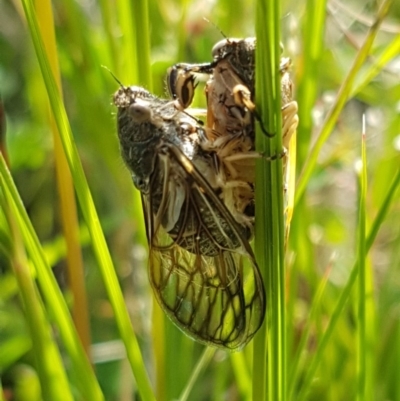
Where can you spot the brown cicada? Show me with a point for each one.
(201, 266)
(230, 91)
(231, 115)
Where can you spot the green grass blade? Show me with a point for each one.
(340, 101)
(242, 375)
(142, 34)
(89, 213)
(86, 381)
(68, 210)
(127, 70)
(202, 363)
(361, 327)
(48, 363)
(313, 28)
(297, 367)
(269, 208)
(106, 8)
(345, 294)
(391, 51)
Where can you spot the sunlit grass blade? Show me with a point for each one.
(361, 295)
(48, 363)
(126, 69)
(366, 306)
(202, 363)
(297, 365)
(65, 188)
(346, 291)
(142, 35)
(89, 213)
(340, 101)
(242, 375)
(307, 73)
(85, 379)
(106, 9)
(391, 51)
(269, 372)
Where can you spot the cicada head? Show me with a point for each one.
(139, 130)
(241, 56)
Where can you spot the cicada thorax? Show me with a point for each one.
(202, 268)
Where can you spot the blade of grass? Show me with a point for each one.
(297, 368)
(391, 51)
(345, 294)
(159, 340)
(313, 37)
(340, 101)
(65, 188)
(307, 73)
(89, 213)
(140, 20)
(127, 69)
(242, 375)
(85, 378)
(48, 363)
(202, 363)
(106, 8)
(182, 34)
(361, 324)
(269, 238)
(369, 304)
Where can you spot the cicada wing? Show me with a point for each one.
(212, 292)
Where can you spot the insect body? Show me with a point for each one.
(201, 265)
(230, 91)
(231, 115)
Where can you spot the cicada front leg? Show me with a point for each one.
(182, 82)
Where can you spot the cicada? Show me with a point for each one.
(230, 91)
(231, 115)
(201, 266)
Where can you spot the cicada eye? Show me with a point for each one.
(140, 111)
(181, 85)
(224, 47)
(218, 48)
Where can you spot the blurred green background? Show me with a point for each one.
(323, 244)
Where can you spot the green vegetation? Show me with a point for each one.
(70, 214)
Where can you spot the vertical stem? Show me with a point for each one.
(269, 204)
(361, 329)
(69, 217)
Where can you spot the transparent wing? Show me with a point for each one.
(202, 270)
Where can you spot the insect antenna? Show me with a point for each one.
(112, 74)
(217, 28)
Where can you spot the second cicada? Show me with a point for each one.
(201, 266)
(231, 116)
